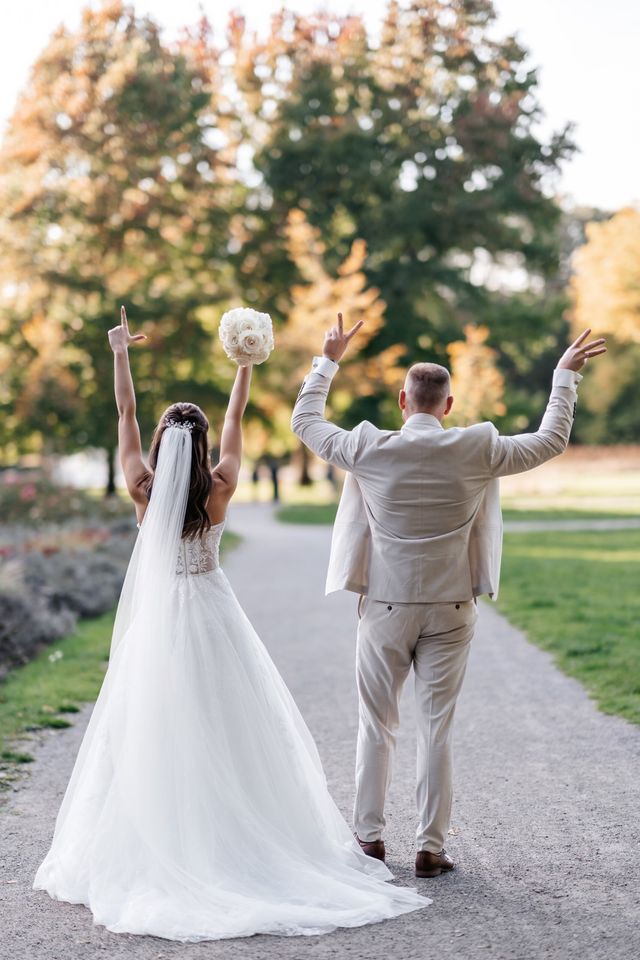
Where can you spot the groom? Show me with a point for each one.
(418, 535)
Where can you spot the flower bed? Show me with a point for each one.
(27, 498)
(63, 556)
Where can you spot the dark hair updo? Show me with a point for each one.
(196, 519)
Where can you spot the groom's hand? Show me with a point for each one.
(581, 350)
(336, 340)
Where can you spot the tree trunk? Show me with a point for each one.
(110, 490)
(305, 476)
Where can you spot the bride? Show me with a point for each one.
(198, 808)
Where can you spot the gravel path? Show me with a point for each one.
(545, 832)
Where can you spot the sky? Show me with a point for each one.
(586, 51)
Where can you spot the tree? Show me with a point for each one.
(476, 382)
(606, 280)
(422, 146)
(171, 178)
(314, 305)
(116, 182)
(605, 290)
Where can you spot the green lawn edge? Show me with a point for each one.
(50, 688)
(323, 513)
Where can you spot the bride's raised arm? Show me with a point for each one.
(227, 471)
(133, 466)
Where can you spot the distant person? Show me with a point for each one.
(198, 808)
(255, 480)
(273, 465)
(418, 535)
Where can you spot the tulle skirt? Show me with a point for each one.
(198, 808)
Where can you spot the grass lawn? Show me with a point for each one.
(325, 513)
(576, 595)
(47, 691)
(307, 513)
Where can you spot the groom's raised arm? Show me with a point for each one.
(528, 450)
(329, 442)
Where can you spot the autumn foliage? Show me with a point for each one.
(401, 180)
(476, 382)
(606, 284)
(606, 296)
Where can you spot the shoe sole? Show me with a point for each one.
(428, 874)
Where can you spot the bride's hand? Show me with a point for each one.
(119, 337)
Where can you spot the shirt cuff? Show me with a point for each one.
(325, 367)
(566, 378)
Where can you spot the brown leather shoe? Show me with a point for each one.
(374, 848)
(433, 864)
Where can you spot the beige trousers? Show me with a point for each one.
(435, 638)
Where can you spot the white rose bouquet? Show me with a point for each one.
(246, 335)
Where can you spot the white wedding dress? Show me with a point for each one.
(198, 808)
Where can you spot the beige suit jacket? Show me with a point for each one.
(419, 519)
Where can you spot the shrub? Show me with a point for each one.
(28, 623)
(45, 590)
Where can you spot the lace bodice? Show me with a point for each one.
(201, 555)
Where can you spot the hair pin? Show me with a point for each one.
(181, 425)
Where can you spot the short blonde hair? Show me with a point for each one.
(427, 385)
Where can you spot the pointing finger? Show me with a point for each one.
(583, 336)
(340, 324)
(354, 329)
(123, 317)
